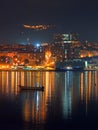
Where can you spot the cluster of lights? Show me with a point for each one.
(38, 27)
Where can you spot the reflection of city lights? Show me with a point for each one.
(26, 110)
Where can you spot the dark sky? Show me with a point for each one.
(79, 16)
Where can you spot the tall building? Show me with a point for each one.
(65, 46)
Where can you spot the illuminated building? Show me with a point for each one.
(65, 46)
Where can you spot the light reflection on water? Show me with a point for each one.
(67, 96)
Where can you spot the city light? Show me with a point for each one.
(37, 45)
(48, 55)
(38, 27)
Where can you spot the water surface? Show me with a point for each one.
(69, 101)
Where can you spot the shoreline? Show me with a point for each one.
(55, 70)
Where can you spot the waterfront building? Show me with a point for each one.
(65, 46)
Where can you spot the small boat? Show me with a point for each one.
(40, 88)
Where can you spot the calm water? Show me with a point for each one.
(69, 101)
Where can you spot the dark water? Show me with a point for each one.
(69, 101)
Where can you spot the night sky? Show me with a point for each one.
(78, 16)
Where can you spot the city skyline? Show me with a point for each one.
(68, 16)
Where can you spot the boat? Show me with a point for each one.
(40, 88)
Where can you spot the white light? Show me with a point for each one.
(38, 45)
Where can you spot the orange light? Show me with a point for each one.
(38, 27)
